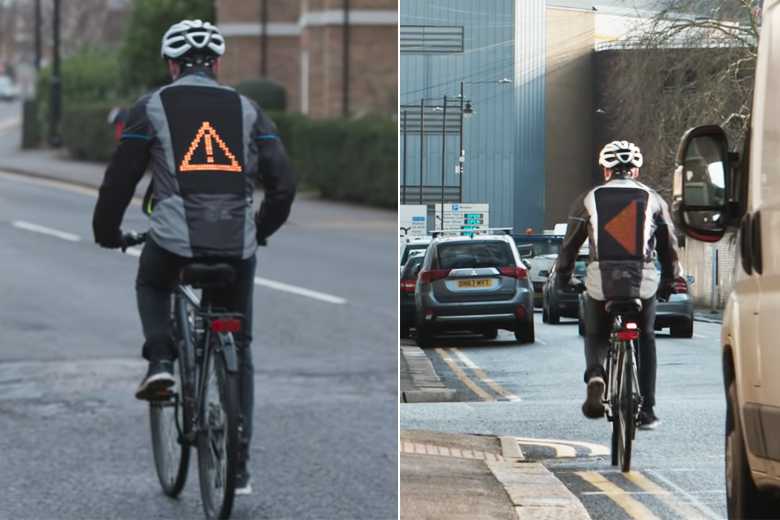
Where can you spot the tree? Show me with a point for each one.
(692, 63)
(142, 66)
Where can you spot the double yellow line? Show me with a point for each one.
(479, 375)
(633, 507)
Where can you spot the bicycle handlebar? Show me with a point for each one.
(132, 239)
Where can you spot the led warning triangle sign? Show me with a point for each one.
(208, 135)
(623, 228)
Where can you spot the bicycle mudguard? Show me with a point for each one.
(228, 348)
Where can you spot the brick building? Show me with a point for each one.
(335, 57)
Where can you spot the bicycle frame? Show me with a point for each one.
(617, 349)
(195, 354)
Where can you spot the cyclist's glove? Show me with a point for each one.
(112, 241)
(665, 289)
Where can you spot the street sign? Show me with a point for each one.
(462, 217)
(412, 220)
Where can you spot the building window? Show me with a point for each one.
(431, 39)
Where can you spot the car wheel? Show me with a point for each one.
(581, 327)
(553, 318)
(524, 331)
(490, 333)
(424, 337)
(545, 317)
(743, 498)
(682, 330)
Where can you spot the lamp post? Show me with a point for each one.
(55, 110)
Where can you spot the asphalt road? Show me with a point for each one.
(75, 443)
(535, 391)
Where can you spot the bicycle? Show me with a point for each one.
(202, 409)
(622, 399)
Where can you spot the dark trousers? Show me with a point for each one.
(597, 330)
(158, 272)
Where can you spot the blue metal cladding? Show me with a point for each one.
(504, 140)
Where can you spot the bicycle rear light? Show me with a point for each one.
(628, 334)
(225, 325)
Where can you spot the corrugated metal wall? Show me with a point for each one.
(504, 140)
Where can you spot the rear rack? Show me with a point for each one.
(473, 232)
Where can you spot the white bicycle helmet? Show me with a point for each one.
(192, 35)
(621, 153)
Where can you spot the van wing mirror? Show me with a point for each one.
(702, 181)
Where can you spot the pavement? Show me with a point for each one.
(75, 444)
(529, 396)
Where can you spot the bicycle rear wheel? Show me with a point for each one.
(614, 403)
(218, 439)
(171, 453)
(627, 411)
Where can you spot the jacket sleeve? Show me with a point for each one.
(125, 169)
(576, 234)
(666, 243)
(277, 176)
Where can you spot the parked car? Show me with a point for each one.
(411, 246)
(476, 284)
(8, 90)
(409, 274)
(743, 194)
(563, 301)
(676, 313)
(540, 252)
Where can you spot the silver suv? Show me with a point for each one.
(476, 284)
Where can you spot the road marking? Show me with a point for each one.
(561, 450)
(500, 390)
(29, 226)
(300, 291)
(594, 450)
(461, 375)
(418, 448)
(670, 499)
(7, 124)
(634, 508)
(701, 506)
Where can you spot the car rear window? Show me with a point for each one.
(580, 268)
(537, 248)
(408, 251)
(410, 265)
(479, 253)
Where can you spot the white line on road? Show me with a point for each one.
(264, 282)
(301, 291)
(701, 506)
(29, 226)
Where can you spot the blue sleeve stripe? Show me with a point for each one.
(267, 137)
(136, 136)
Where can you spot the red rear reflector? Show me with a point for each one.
(628, 335)
(433, 275)
(225, 325)
(520, 312)
(407, 285)
(515, 272)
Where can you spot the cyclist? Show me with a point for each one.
(205, 145)
(624, 222)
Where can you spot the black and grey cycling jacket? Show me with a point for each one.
(624, 222)
(205, 145)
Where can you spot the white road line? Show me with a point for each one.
(300, 291)
(594, 449)
(29, 226)
(133, 251)
(698, 504)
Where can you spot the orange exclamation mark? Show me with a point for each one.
(209, 148)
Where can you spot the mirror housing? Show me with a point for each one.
(703, 184)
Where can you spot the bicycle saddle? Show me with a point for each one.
(207, 276)
(630, 306)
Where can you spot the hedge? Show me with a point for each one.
(350, 160)
(267, 93)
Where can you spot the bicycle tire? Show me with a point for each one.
(171, 453)
(614, 403)
(227, 396)
(627, 411)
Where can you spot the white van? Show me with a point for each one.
(744, 194)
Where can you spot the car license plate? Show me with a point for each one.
(483, 282)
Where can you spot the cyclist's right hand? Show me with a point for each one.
(665, 289)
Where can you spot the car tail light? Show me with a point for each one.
(520, 313)
(629, 333)
(433, 275)
(407, 285)
(521, 273)
(680, 286)
(226, 325)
